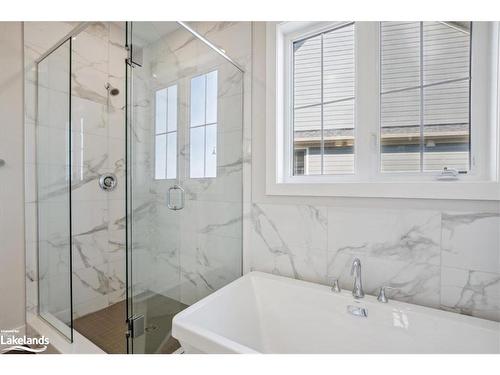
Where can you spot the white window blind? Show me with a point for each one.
(425, 96)
(323, 102)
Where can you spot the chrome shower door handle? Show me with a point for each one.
(169, 198)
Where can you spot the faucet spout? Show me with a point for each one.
(357, 290)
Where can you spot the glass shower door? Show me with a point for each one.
(185, 165)
(53, 171)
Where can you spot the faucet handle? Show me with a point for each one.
(335, 286)
(381, 294)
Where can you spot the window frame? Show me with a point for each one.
(472, 173)
(304, 31)
(204, 125)
(166, 133)
(290, 82)
(368, 180)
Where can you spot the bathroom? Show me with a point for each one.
(252, 186)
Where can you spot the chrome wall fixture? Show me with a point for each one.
(113, 91)
(107, 181)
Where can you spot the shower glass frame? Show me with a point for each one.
(56, 324)
(132, 64)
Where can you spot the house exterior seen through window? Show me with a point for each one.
(323, 102)
(425, 96)
(423, 99)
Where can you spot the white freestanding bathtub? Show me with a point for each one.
(263, 313)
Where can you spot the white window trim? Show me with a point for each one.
(479, 185)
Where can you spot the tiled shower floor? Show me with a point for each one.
(106, 328)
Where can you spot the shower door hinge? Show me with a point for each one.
(135, 56)
(135, 326)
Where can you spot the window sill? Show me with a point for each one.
(470, 190)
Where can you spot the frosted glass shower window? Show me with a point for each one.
(166, 133)
(203, 126)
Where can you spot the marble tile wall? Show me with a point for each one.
(441, 259)
(98, 58)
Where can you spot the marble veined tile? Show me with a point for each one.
(89, 83)
(207, 263)
(88, 116)
(296, 262)
(217, 218)
(90, 249)
(92, 282)
(471, 241)
(281, 225)
(90, 49)
(225, 188)
(52, 182)
(89, 217)
(401, 235)
(289, 240)
(471, 292)
(398, 248)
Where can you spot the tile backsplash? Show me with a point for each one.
(439, 259)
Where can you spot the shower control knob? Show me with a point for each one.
(107, 181)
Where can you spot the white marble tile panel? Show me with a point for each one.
(471, 241)
(280, 226)
(398, 248)
(471, 292)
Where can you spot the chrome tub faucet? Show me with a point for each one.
(357, 290)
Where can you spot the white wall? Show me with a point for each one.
(11, 177)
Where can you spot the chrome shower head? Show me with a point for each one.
(113, 91)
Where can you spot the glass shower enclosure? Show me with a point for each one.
(155, 109)
(184, 162)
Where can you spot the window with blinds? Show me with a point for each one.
(323, 102)
(425, 96)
